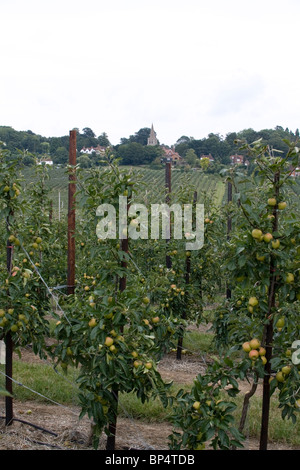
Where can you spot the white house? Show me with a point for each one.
(45, 161)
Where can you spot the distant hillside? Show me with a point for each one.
(135, 146)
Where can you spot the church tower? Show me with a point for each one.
(152, 140)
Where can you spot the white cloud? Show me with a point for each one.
(190, 67)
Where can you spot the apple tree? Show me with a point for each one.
(109, 326)
(22, 316)
(257, 326)
(262, 268)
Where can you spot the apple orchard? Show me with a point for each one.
(134, 299)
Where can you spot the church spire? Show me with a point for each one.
(152, 140)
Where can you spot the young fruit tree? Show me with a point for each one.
(263, 271)
(109, 327)
(257, 327)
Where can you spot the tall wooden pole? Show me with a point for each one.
(9, 352)
(111, 439)
(229, 227)
(268, 331)
(187, 281)
(71, 212)
(168, 193)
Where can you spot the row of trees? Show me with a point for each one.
(134, 150)
(221, 147)
(134, 298)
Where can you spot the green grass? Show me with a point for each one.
(280, 430)
(40, 382)
(194, 341)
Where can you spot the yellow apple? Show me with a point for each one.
(289, 278)
(272, 201)
(253, 301)
(92, 322)
(286, 370)
(246, 346)
(108, 341)
(276, 243)
(196, 405)
(256, 233)
(280, 322)
(254, 343)
(280, 377)
(282, 205)
(262, 351)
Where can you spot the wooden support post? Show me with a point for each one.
(111, 439)
(229, 227)
(9, 351)
(268, 330)
(187, 281)
(168, 193)
(71, 213)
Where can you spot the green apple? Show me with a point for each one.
(253, 301)
(254, 343)
(280, 377)
(272, 201)
(108, 341)
(92, 322)
(282, 205)
(155, 319)
(262, 351)
(256, 233)
(246, 346)
(286, 370)
(276, 244)
(268, 237)
(289, 278)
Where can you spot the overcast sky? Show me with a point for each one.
(189, 67)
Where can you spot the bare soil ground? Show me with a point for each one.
(70, 433)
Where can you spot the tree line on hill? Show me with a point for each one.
(134, 149)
